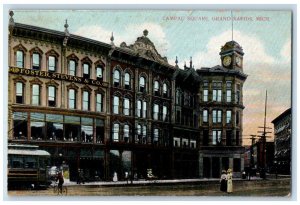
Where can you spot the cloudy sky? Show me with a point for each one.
(200, 34)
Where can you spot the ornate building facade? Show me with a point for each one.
(104, 109)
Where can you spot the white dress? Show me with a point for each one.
(229, 183)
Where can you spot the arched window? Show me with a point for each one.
(144, 134)
(139, 108)
(19, 92)
(20, 59)
(51, 63)
(165, 113)
(127, 81)
(126, 106)
(116, 78)
(155, 111)
(72, 99)
(156, 88)
(126, 133)
(36, 61)
(35, 94)
(139, 133)
(144, 109)
(99, 72)
(116, 129)
(165, 90)
(86, 70)
(155, 136)
(85, 100)
(72, 67)
(51, 96)
(99, 102)
(116, 105)
(142, 84)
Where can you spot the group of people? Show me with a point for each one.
(226, 181)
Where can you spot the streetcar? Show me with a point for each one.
(27, 166)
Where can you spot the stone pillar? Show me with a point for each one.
(210, 167)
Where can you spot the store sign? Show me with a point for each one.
(54, 76)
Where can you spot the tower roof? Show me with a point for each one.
(231, 46)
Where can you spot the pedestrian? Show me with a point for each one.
(223, 180)
(229, 181)
(60, 179)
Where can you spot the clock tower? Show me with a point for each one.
(232, 56)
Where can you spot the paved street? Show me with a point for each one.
(270, 187)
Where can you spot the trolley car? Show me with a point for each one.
(27, 166)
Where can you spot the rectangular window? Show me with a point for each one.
(51, 63)
(35, 94)
(72, 99)
(85, 100)
(36, 61)
(20, 125)
(205, 115)
(20, 59)
(116, 105)
(72, 67)
(86, 70)
(19, 93)
(51, 96)
(99, 102)
(87, 133)
(205, 95)
(217, 95)
(37, 126)
(228, 116)
(228, 95)
(116, 133)
(217, 116)
(217, 137)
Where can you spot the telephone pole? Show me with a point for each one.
(263, 141)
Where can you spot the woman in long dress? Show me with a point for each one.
(229, 181)
(223, 181)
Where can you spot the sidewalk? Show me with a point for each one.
(145, 182)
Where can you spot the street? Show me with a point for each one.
(256, 188)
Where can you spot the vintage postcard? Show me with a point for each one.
(149, 103)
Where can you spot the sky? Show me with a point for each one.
(265, 37)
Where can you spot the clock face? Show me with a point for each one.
(238, 61)
(227, 61)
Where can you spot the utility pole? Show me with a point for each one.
(263, 141)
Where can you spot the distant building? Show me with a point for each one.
(282, 138)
